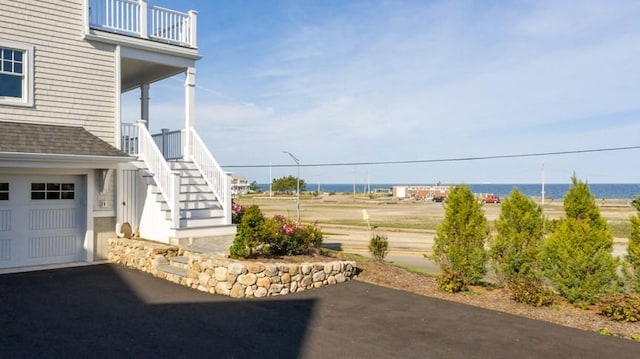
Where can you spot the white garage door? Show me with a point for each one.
(42, 220)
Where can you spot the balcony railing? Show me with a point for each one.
(137, 18)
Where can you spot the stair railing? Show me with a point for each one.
(218, 180)
(167, 180)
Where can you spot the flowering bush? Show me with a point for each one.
(291, 237)
(275, 236)
(236, 213)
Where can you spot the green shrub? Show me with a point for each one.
(633, 249)
(250, 234)
(514, 250)
(621, 307)
(379, 246)
(577, 256)
(459, 242)
(530, 291)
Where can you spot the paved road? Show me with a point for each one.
(107, 311)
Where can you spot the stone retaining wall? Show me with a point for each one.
(219, 275)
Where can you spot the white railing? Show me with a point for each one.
(167, 181)
(218, 180)
(172, 26)
(129, 138)
(170, 143)
(136, 18)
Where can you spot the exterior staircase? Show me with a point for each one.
(189, 202)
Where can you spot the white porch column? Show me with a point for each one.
(144, 104)
(189, 109)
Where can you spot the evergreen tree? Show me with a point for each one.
(577, 256)
(252, 231)
(515, 249)
(459, 241)
(633, 249)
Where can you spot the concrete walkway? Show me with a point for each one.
(113, 312)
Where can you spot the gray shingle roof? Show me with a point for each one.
(53, 139)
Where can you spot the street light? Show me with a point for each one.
(297, 161)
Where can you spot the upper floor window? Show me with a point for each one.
(16, 74)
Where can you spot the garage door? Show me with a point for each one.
(42, 220)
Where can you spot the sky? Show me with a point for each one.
(382, 81)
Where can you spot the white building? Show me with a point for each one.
(239, 185)
(70, 166)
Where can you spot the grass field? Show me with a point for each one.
(385, 212)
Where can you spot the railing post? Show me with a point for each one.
(227, 197)
(189, 99)
(164, 142)
(175, 205)
(144, 15)
(193, 15)
(141, 124)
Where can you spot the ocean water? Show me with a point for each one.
(552, 190)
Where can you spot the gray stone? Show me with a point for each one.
(331, 280)
(275, 288)
(203, 278)
(221, 273)
(237, 291)
(340, 278)
(260, 292)
(328, 267)
(247, 279)
(319, 276)
(237, 268)
(306, 268)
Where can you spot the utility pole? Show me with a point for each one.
(297, 161)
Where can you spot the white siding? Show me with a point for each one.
(74, 79)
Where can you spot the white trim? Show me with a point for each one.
(86, 161)
(27, 71)
(118, 97)
(143, 44)
(88, 234)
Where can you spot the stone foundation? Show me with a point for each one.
(219, 275)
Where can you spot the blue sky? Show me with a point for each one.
(366, 81)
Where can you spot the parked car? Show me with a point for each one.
(438, 198)
(491, 198)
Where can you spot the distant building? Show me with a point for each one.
(239, 185)
(420, 192)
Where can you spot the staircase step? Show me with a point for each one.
(181, 272)
(200, 222)
(179, 262)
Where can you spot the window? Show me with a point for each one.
(4, 191)
(16, 74)
(52, 191)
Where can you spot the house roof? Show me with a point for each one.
(53, 139)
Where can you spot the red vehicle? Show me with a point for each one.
(491, 198)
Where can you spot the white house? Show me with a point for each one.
(239, 185)
(70, 167)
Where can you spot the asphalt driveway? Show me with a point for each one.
(114, 312)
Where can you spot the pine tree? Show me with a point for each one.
(459, 242)
(515, 249)
(633, 249)
(577, 256)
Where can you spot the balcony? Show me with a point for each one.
(136, 18)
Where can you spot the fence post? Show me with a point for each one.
(227, 197)
(143, 15)
(193, 15)
(164, 142)
(175, 206)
